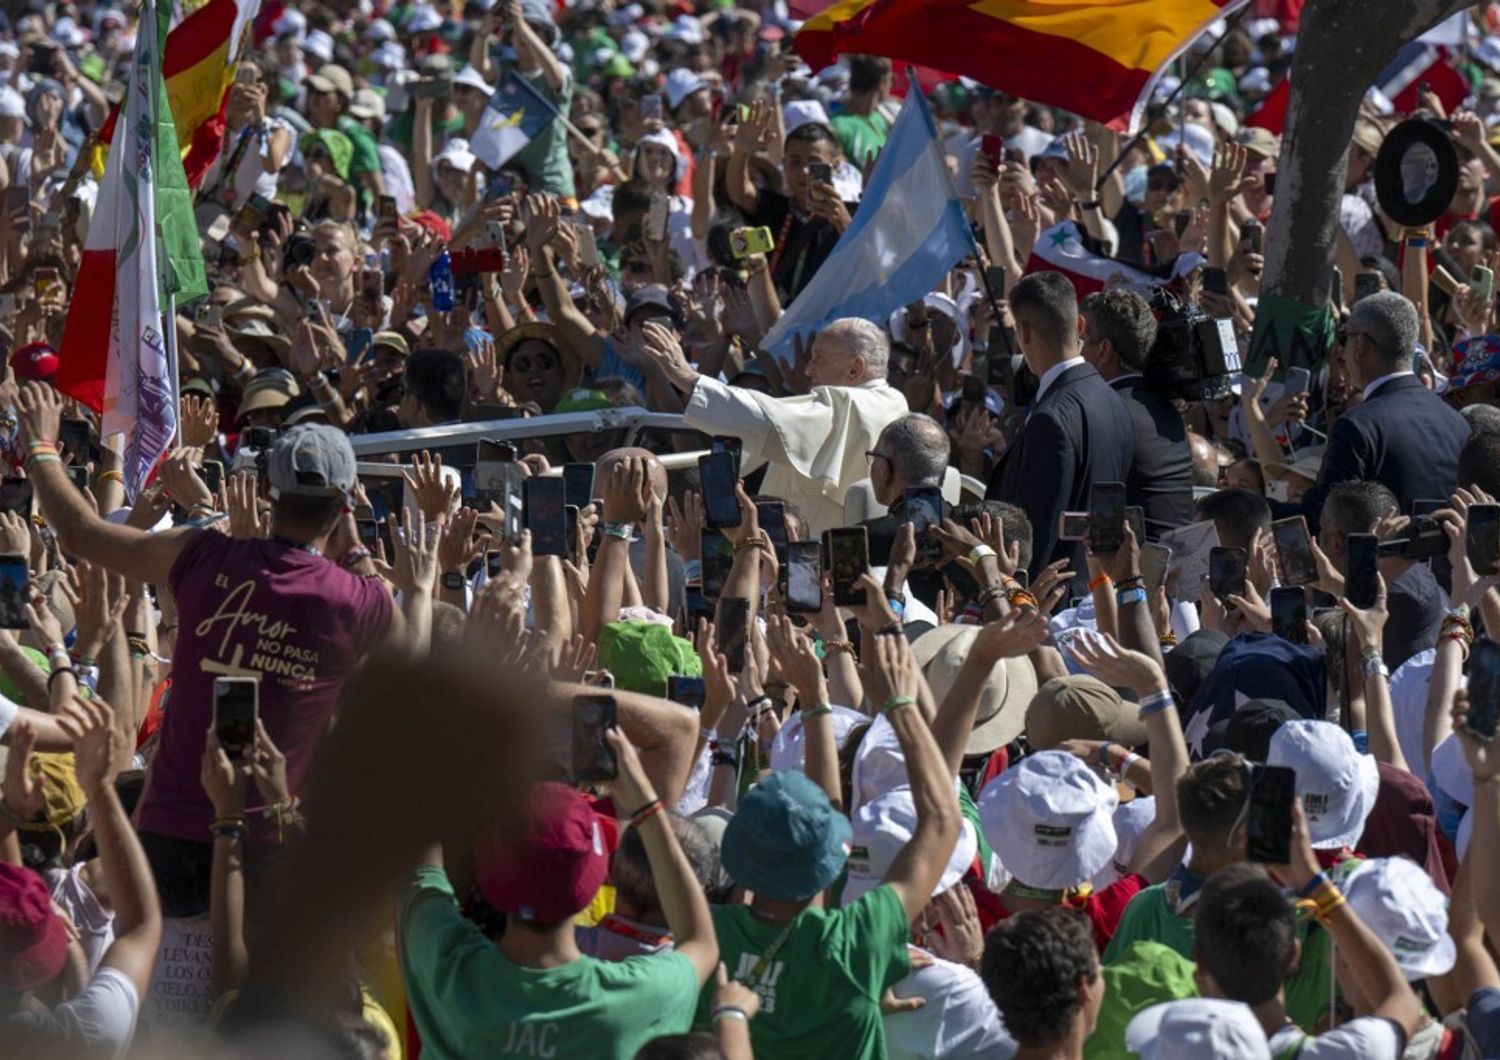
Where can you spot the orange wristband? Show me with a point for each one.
(1102, 580)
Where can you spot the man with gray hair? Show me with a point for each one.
(814, 443)
(1401, 435)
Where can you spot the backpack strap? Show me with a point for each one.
(1293, 1050)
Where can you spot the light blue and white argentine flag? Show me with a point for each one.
(909, 230)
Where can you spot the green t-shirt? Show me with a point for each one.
(862, 135)
(468, 1000)
(820, 991)
(545, 159)
(1148, 918)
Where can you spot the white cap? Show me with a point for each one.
(457, 154)
(634, 45)
(1131, 821)
(1224, 118)
(12, 105)
(667, 140)
(319, 44)
(1451, 772)
(367, 103)
(881, 828)
(1197, 1028)
(682, 83)
(789, 749)
(626, 16)
(423, 19)
(389, 56)
(380, 30)
(291, 23)
(686, 28)
(800, 112)
(1408, 914)
(1198, 139)
(1337, 784)
(473, 78)
(1050, 819)
(67, 33)
(1257, 79)
(879, 765)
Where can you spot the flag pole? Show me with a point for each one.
(991, 295)
(165, 278)
(1130, 145)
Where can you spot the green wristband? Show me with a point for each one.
(813, 712)
(899, 701)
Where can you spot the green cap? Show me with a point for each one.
(1147, 974)
(642, 655)
(584, 400)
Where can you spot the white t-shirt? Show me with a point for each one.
(959, 1019)
(249, 176)
(1366, 1038)
(101, 1019)
(96, 925)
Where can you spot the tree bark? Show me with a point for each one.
(1341, 46)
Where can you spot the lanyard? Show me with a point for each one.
(764, 961)
(298, 545)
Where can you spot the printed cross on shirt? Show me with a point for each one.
(230, 669)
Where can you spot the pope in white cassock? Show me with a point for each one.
(814, 443)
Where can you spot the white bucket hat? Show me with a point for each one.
(1050, 820)
(1337, 784)
(1198, 1028)
(1131, 821)
(1408, 914)
(789, 750)
(881, 828)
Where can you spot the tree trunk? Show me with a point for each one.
(1341, 46)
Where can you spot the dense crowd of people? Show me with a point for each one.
(994, 678)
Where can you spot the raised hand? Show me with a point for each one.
(435, 495)
(198, 421)
(1101, 655)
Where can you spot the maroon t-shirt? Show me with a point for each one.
(262, 609)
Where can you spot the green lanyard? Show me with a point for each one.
(764, 961)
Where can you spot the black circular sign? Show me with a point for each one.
(1416, 172)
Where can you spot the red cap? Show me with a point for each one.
(35, 360)
(433, 223)
(553, 866)
(33, 941)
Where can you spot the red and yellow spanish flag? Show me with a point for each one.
(199, 62)
(1097, 58)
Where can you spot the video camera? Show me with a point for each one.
(1195, 357)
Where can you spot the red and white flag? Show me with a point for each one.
(115, 356)
(1061, 248)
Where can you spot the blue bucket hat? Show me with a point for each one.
(787, 842)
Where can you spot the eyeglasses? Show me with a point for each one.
(871, 456)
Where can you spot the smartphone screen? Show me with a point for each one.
(1226, 572)
(1251, 237)
(771, 515)
(1289, 614)
(15, 591)
(1106, 517)
(718, 474)
(973, 390)
(15, 495)
(1294, 547)
(802, 577)
(236, 703)
(1072, 526)
(369, 532)
(993, 147)
(961, 578)
(717, 555)
(651, 108)
(723, 443)
(578, 483)
(1361, 557)
(1484, 537)
(1135, 518)
(847, 555)
(1269, 823)
(1428, 505)
(593, 758)
(1484, 689)
(688, 691)
(494, 564)
(731, 630)
(498, 479)
(571, 515)
(75, 437)
(698, 607)
(1215, 280)
(1298, 380)
(1154, 562)
(78, 474)
(820, 172)
(212, 474)
(545, 516)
